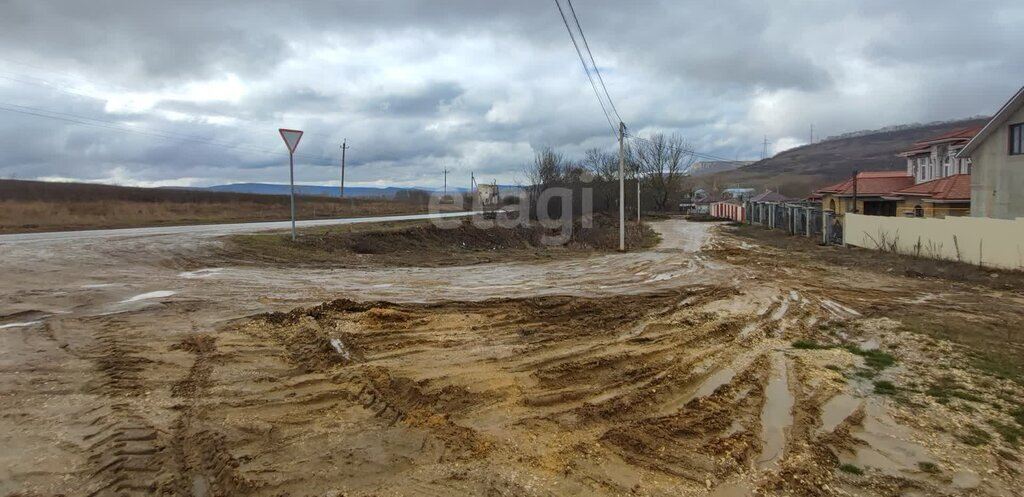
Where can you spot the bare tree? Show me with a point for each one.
(604, 165)
(662, 163)
(547, 168)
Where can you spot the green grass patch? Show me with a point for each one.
(975, 436)
(834, 367)
(947, 392)
(875, 359)
(885, 387)
(1018, 415)
(849, 468)
(947, 388)
(928, 467)
(1012, 434)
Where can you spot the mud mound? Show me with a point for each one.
(428, 245)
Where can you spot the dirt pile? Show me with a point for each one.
(427, 244)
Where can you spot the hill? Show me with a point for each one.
(319, 191)
(45, 206)
(798, 171)
(333, 191)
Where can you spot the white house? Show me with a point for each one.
(997, 154)
(936, 157)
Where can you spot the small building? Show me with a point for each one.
(940, 198)
(731, 209)
(740, 194)
(997, 155)
(872, 190)
(937, 157)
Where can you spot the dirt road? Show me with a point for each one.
(130, 368)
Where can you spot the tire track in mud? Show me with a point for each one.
(125, 451)
(203, 465)
(695, 389)
(668, 350)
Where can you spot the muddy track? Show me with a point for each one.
(662, 373)
(125, 451)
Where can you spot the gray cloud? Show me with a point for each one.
(195, 90)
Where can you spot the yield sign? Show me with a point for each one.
(291, 138)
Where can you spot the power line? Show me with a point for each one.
(586, 69)
(592, 61)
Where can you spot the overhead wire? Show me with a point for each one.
(602, 94)
(593, 62)
(586, 69)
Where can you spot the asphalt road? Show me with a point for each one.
(211, 229)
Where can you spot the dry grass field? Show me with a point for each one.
(27, 206)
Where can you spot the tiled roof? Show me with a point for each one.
(956, 187)
(871, 184)
(963, 135)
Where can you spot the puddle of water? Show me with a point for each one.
(733, 490)
(99, 285)
(966, 480)
(735, 428)
(838, 309)
(712, 383)
(777, 415)
(339, 346)
(19, 325)
(871, 344)
(889, 447)
(201, 273)
(148, 296)
(781, 311)
(660, 277)
(836, 410)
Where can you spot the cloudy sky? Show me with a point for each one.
(192, 92)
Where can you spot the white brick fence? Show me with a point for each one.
(988, 242)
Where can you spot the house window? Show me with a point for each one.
(918, 211)
(1017, 139)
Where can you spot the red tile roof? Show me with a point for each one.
(956, 187)
(963, 135)
(871, 184)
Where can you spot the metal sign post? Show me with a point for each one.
(291, 140)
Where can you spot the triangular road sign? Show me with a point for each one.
(291, 138)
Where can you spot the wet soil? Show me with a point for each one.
(705, 366)
(432, 244)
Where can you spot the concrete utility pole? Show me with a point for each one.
(622, 186)
(344, 147)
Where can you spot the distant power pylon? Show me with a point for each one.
(764, 151)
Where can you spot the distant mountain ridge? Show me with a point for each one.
(333, 191)
(799, 171)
